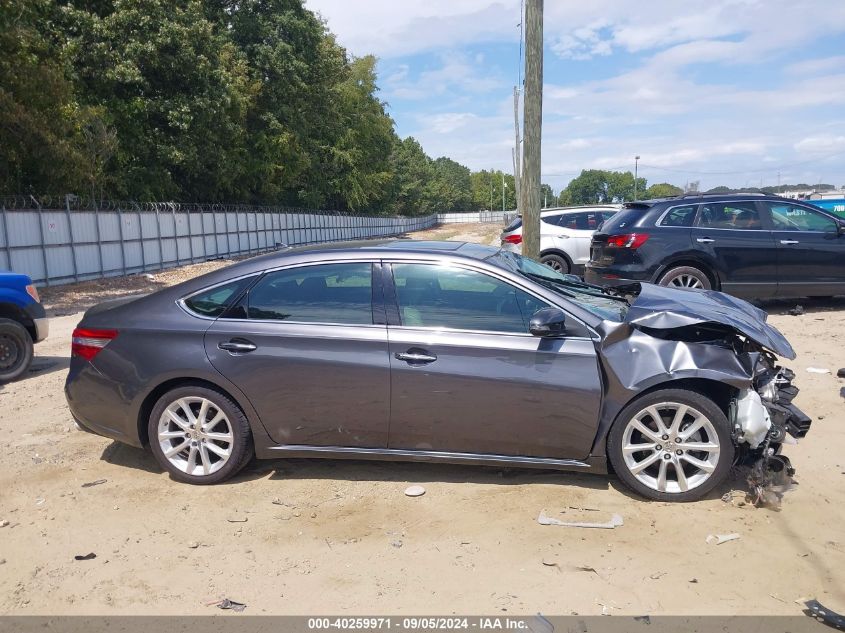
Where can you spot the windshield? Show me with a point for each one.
(591, 298)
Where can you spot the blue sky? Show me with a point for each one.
(720, 91)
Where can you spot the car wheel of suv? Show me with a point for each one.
(555, 262)
(686, 277)
(15, 350)
(199, 435)
(671, 445)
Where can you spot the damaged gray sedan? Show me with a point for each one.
(438, 351)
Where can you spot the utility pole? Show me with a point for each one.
(529, 202)
(636, 161)
(517, 148)
(504, 186)
(491, 189)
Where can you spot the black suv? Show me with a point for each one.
(744, 244)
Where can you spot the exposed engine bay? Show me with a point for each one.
(764, 420)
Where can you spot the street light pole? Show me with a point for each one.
(636, 161)
(503, 192)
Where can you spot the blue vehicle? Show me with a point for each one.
(23, 322)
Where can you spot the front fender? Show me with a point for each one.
(633, 362)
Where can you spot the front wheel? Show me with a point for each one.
(199, 435)
(671, 445)
(15, 350)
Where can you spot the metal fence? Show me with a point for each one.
(57, 241)
(474, 216)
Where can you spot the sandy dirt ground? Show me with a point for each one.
(312, 537)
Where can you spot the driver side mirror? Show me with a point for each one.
(548, 322)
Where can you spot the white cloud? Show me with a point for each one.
(457, 72)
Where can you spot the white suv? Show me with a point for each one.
(565, 235)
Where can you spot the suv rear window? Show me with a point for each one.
(626, 217)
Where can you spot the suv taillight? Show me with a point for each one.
(628, 240)
(88, 343)
(513, 239)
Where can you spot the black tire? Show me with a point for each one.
(556, 262)
(242, 448)
(697, 401)
(15, 350)
(683, 276)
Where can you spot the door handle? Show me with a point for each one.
(415, 357)
(704, 240)
(238, 346)
(788, 242)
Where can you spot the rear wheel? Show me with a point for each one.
(199, 435)
(15, 350)
(555, 262)
(671, 445)
(686, 277)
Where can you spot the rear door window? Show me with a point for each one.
(790, 217)
(327, 293)
(729, 215)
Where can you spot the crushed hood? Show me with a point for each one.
(662, 308)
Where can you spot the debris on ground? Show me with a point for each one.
(91, 484)
(842, 392)
(796, 311)
(587, 568)
(225, 603)
(718, 539)
(193, 545)
(236, 520)
(396, 544)
(840, 372)
(3, 523)
(769, 485)
(818, 370)
(615, 521)
(414, 491)
(817, 610)
(89, 556)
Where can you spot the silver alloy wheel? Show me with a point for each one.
(685, 281)
(554, 265)
(670, 447)
(195, 436)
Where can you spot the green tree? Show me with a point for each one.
(596, 186)
(39, 116)
(662, 190)
(451, 187)
(172, 88)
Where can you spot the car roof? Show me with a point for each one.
(568, 210)
(391, 247)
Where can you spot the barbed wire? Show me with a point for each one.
(70, 202)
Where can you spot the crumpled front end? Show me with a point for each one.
(764, 420)
(723, 345)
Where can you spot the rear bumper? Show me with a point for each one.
(606, 277)
(96, 404)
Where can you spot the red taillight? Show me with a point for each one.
(88, 343)
(629, 240)
(513, 239)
